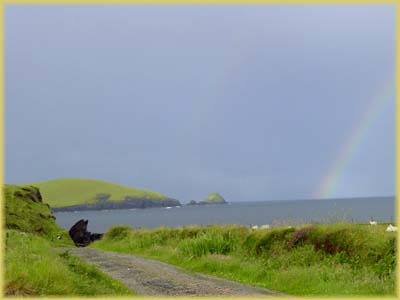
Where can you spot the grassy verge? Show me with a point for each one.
(35, 267)
(341, 259)
(34, 264)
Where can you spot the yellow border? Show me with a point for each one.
(202, 2)
(2, 147)
(397, 80)
(197, 2)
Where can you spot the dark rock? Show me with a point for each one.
(128, 202)
(79, 233)
(81, 236)
(96, 236)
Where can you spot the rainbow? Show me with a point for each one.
(355, 139)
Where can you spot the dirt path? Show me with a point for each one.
(150, 277)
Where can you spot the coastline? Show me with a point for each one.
(129, 203)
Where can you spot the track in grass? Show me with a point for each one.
(154, 278)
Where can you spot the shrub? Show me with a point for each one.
(281, 236)
(118, 232)
(332, 242)
(301, 236)
(386, 263)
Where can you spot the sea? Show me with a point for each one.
(274, 213)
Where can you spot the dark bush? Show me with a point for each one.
(275, 236)
(301, 236)
(331, 242)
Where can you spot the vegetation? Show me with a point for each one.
(26, 212)
(341, 259)
(35, 267)
(34, 264)
(214, 198)
(75, 191)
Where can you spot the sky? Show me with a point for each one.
(256, 102)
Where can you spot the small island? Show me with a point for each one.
(213, 198)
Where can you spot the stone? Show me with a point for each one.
(81, 236)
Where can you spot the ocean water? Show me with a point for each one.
(357, 210)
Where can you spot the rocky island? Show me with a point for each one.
(213, 198)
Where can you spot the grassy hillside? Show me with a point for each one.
(336, 259)
(34, 267)
(214, 198)
(26, 212)
(34, 263)
(75, 191)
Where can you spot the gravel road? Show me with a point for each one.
(153, 278)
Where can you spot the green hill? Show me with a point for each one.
(77, 191)
(214, 198)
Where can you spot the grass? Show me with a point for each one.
(337, 259)
(25, 212)
(75, 191)
(214, 198)
(35, 267)
(34, 263)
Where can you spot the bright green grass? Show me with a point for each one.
(23, 214)
(33, 267)
(75, 191)
(362, 264)
(33, 263)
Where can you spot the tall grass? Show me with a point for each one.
(34, 267)
(336, 259)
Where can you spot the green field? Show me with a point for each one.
(336, 259)
(75, 191)
(35, 265)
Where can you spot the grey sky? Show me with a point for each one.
(254, 102)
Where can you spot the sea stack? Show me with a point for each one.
(214, 198)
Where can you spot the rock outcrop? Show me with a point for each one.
(81, 236)
(213, 198)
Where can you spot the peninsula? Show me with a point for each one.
(74, 194)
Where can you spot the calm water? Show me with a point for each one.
(253, 213)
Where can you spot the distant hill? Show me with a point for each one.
(86, 194)
(213, 198)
